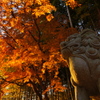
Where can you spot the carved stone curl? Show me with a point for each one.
(82, 53)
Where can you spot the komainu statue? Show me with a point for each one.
(82, 53)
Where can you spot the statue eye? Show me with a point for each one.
(76, 45)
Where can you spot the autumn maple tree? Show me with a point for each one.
(29, 45)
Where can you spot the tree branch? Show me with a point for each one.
(39, 35)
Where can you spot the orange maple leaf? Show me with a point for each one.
(49, 17)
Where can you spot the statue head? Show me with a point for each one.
(87, 42)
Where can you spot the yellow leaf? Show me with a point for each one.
(49, 17)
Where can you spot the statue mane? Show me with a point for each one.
(87, 42)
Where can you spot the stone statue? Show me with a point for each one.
(82, 53)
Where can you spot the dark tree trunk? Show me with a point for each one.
(46, 96)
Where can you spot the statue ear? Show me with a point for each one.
(87, 31)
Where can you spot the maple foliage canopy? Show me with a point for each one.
(29, 45)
